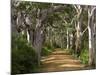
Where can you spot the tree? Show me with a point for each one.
(91, 32)
(79, 10)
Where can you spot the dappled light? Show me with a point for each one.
(59, 60)
(48, 59)
(72, 65)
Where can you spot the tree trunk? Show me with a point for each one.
(68, 40)
(38, 36)
(71, 41)
(91, 32)
(78, 38)
(38, 39)
(31, 36)
(78, 28)
(28, 36)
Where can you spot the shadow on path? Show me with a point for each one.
(60, 60)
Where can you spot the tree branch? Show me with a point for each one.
(90, 11)
(63, 19)
(45, 12)
(84, 30)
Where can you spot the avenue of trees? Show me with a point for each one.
(38, 28)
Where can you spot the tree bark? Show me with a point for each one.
(38, 36)
(78, 29)
(78, 38)
(68, 42)
(38, 40)
(91, 32)
(71, 40)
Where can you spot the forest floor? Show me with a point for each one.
(60, 60)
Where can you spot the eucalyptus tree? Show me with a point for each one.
(79, 10)
(92, 34)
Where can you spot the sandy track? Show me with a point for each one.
(60, 60)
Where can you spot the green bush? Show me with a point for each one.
(49, 46)
(46, 51)
(84, 56)
(23, 56)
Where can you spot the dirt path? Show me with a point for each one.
(59, 60)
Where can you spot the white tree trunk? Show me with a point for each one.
(28, 36)
(71, 40)
(90, 45)
(91, 32)
(67, 39)
(78, 28)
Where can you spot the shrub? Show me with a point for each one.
(23, 56)
(84, 56)
(45, 51)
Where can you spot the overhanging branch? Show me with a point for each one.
(84, 30)
(51, 10)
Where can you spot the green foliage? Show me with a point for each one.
(46, 51)
(42, 5)
(23, 56)
(31, 5)
(84, 56)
